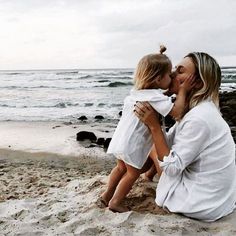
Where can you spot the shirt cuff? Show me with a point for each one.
(171, 164)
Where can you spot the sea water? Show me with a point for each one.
(65, 95)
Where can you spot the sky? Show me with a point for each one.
(70, 34)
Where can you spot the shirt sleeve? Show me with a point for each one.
(188, 143)
(163, 105)
(170, 135)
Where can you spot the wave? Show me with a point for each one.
(67, 72)
(85, 76)
(103, 81)
(118, 84)
(58, 105)
(113, 77)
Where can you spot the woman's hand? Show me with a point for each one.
(188, 84)
(145, 112)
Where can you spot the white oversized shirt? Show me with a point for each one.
(132, 139)
(199, 175)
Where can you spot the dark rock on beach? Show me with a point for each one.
(100, 141)
(99, 117)
(82, 118)
(106, 143)
(83, 135)
(228, 110)
(228, 107)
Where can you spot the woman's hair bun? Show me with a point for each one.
(162, 49)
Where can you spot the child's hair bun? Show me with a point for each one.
(162, 49)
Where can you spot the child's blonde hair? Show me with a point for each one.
(149, 67)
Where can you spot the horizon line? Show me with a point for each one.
(112, 68)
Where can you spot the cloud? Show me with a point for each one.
(105, 33)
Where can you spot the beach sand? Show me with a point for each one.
(50, 184)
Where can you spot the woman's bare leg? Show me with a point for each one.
(149, 175)
(123, 189)
(114, 179)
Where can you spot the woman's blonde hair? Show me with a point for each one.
(207, 70)
(149, 67)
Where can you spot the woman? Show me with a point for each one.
(197, 156)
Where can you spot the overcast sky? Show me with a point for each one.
(44, 34)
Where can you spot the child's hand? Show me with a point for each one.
(189, 83)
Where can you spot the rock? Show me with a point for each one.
(228, 110)
(99, 117)
(67, 123)
(106, 143)
(228, 107)
(82, 135)
(82, 118)
(100, 141)
(120, 113)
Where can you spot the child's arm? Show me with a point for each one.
(178, 109)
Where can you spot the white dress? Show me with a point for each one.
(199, 175)
(132, 140)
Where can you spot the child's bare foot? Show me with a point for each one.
(101, 203)
(104, 199)
(118, 207)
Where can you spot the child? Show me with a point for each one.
(132, 141)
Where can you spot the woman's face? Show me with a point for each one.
(182, 71)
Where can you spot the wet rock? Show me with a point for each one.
(67, 123)
(100, 141)
(106, 143)
(82, 118)
(228, 110)
(120, 113)
(99, 117)
(228, 107)
(83, 135)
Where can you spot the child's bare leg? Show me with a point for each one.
(123, 189)
(114, 178)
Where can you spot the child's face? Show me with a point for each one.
(164, 82)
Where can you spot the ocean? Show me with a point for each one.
(65, 95)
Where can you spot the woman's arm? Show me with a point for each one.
(149, 116)
(192, 137)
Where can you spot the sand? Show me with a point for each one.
(50, 183)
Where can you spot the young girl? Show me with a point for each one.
(132, 141)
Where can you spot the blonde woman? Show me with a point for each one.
(198, 157)
(132, 141)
